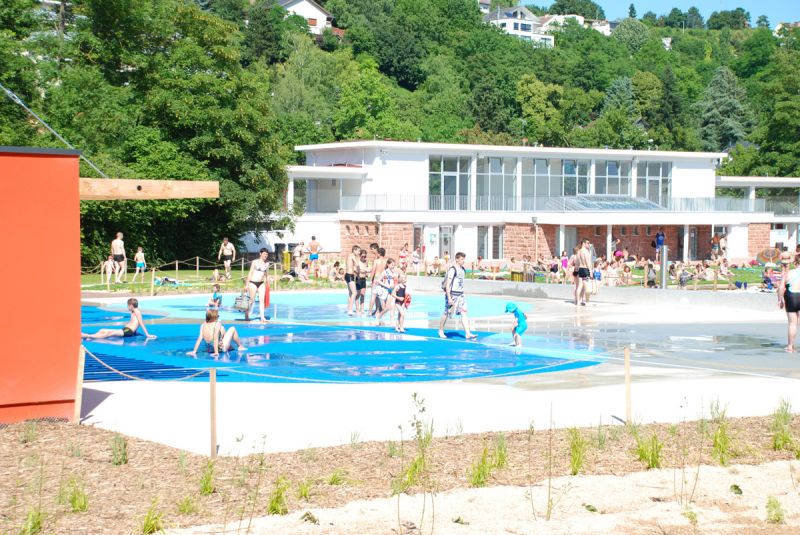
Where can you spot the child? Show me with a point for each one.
(141, 266)
(215, 337)
(130, 329)
(402, 301)
(216, 299)
(520, 323)
(107, 268)
(384, 290)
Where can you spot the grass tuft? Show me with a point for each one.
(577, 451)
(207, 484)
(304, 489)
(781, 427)
(649, 451)
(34, 521)
(500, 453)
(119, 450)
(481, 469)
(336, 477)
(775, 512)
(187, 506)
(153, 520)
(277, 504)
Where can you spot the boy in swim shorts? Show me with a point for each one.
(141, 265)
(129, 330)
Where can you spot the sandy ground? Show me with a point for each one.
(641, 502)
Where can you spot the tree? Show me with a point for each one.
(631, 33)
(650, 18)
(264, 34)
(613, 129)
(649, 95)
(632, 11)
(585, 8)
(725, 119)
(619, 96)
(736, 19)
(539, 103)
(672, 106)
(762, 22)
(756, 53)
(675, 19)
(693, 18)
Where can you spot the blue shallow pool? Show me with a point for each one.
(298, 348)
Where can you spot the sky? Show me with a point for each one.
(775, 10)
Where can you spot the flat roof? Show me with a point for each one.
(507, 149)
(758, 181)
(5, 149)
(325, 171)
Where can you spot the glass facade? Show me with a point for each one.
(448, 182)
(612, 177)
(654, 181)
(496, 184)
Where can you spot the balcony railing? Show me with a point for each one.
(570, 203)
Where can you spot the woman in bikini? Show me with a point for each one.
(362, 271)
(215, 337)
(257, 284)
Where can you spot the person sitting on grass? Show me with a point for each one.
(302, 274)
(215, 337)
(129, 330)
(216, 298)
(520, 323)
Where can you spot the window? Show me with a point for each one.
(483, 242)
(623, 231)
(648, 230)
(576, 177)
(596, 231)
(496, 183)
(312, 23)
(448, 182)
(552, 178)
(778, 226)
(654, 181)
(497, 241)
(635, 231)
(525, 27)
(502, 24)
(516, 25)
(612, 177)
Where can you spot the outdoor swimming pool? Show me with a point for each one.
(308, 343)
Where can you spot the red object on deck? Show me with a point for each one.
(40, 314)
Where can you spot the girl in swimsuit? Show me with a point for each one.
(257, 284)
(362, 270)
(789, 300)
(215, 337)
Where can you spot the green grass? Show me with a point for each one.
(277, 504)
(28, 433)
(722, 444)
(207, 485)
(775, 512)
(649, 451)
(153, 520)
(781, 430)
(304, 489)
(119, 450)
(478, 474)
(337, 477)
(187, 506)
(33, 522)
(500, 452)
(577, 451)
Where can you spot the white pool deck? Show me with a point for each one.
(687, 351)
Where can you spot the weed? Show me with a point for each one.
(589, 507)
(577, 451)
(309, 455)
(309, 517)
(337, 477)
(649, 451)
(182, 463)
(119, 450)
(28, 433)
(277, 499)
(721, 442)
(736, 489)
(690, 515)
(461, 521)
(781, 430)
(153, 521)
(601, 435)
(673, 430)
(393, 450)
(530, 468)
(500, 453)
(77, 497)
(207, 485)
(33, 522)
(74, 450)
(481, 469)
(354, 436)
(614, 433)
(187, 506)
(304, 489)
(775, 513)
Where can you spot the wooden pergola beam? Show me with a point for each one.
(109, 189)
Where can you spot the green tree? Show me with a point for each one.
(264, 34)
(736, 19)
(585, 8)
(540, 105)
(632, 11)
(762, 22)
(756, 53)
(613, 129)
(648, 92)
(631, 33)
(650, 18)
(230, 10)
(725, 119)
(694, 19)
(675, 19)
(619, 96)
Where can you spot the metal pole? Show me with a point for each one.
(628, 407)
(212, 384)
(664, 266)
(76, 418)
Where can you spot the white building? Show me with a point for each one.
(505, 201)
(521, 23)
(317, 17)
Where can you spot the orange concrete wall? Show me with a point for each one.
(40, 262)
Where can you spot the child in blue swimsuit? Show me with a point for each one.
(520, 323)
(216, 298)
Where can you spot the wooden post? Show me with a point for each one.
(212, 383)
(76, 419)
(197, 267)
(716, 274)
(152, 281)
(176, 270)
(628, 409)
(242, 267)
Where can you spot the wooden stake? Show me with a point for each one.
(197, 267)
(628, 409)
(176, 270)
(243, 267)
(212, 384)
(76, 418)
(153, 281)
(716, 274)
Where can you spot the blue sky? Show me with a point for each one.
(776, 10)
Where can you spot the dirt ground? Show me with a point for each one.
(349, 489)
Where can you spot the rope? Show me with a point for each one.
(95, 357)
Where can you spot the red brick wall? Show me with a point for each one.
(642, 245)
(390, 236)
(519, 240)
(757, 238)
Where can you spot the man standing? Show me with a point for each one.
(313, 255)
(227, 252)
(723, 245)
(660, 239)
(454, 300)
(377, 271)
(120, 260)
(583, 263)
(298, 256)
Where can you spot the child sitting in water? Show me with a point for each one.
(216, 298)
(129, 330)
(520, 323)
(215, 337)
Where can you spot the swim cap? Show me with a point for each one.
(510, 307)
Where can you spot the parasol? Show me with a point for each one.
(770, 254)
